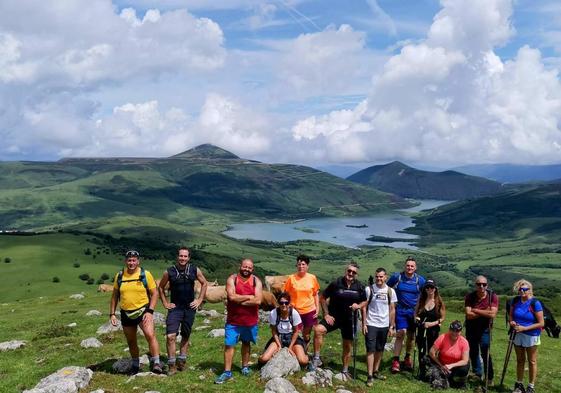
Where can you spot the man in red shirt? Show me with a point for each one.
(244, 291)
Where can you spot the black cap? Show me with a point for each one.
(429, 283)
(132, 253)
(456, 326)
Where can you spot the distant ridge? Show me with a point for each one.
(402, 180)
(207, 151)
(512, 173)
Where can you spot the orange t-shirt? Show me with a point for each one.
(449, 353)
(302, 291)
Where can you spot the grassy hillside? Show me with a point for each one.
(400, 179)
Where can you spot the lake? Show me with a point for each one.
(345, 231)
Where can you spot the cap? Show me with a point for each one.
(430, 283)
(132, 253)
(456, 326)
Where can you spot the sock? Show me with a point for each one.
(182, 357)
(171, 361)
(136, 362)
(316, 355)
(531, 385)
(155, 359)
(345, 370)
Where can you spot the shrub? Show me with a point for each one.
(87, 251)
(105, 276)
(56, 279)
(76, 264)
(7, 260)
(90, 281)
(100, 281)
(84, 276)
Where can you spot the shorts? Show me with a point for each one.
(233, 334)
(405, 319)
(376, 338)
(308, 319)
(126, 321)
(180, 317)
(346, 328)
(285, 343)
(526, 341)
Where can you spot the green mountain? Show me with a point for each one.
(38, 194)
(400, 179)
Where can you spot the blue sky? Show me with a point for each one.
(438, 83)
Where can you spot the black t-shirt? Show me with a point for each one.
(341, 297)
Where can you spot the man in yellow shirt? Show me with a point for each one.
(135, 288)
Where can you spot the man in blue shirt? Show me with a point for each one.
(407, 285)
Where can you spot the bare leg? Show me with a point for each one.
(410, 341)
(347, 350)
(398, 342)
(149, 334)
(269, 352)
(377, 360)
(130, 335)
(246, 349)
(228, 357)
(184, 346)
(170, 344)
(532, 354)
(300, 354)
(319, 332)
(370, 360)
(520, 362)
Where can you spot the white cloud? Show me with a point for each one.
(450, 99)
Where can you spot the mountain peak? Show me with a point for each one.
(207, 151)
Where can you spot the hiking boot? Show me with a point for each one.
(379, 376)
(518, 388)
(407, 364)
(172, 369)
(490, 383)
(157, 368)
(246, 370)
(395, 366)
(134, 370)
(530, 389)
(315, 363)
(369, 381)
(225, 376)
(181, 365)
(346, 376)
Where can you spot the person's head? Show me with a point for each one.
(430, 289)
(380, 276)
(302, 264)
(481, 284)
(410, 266)
(523, 288)
(183, 256)
(351, 271)
(132, 259)
(283, 299)
(455, 329)
(246, 267)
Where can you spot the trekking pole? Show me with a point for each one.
(512, 334)
(488, 364)
(354, 342)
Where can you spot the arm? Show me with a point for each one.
(487, 313)
(462, 362)
(161, 289)
(149, 314)
(231, 292)
(392, 319)
(275, 334)
(539, 324)
(363, 312)
(316, 302)
(325, 310)
(204, 285)
(113, 306)
(256, 299)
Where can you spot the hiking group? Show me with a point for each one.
(405, 305)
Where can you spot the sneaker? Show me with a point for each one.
(518, 388)
(172, 369)
(181, 365)
(369, 381)
(157, 368)
(407, 364)
(379, 376)
(395, 366)
(315, 363)
(225, 376)
(530, 389)
(246, 370)
(346, 376)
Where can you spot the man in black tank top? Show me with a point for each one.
(182, 305)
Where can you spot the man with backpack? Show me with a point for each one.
(182, 306)
(136, 290)
(481, 307)
(378, 322)
(407, 285)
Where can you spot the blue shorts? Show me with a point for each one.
(405, 319)
(234, 334)
(526, 341)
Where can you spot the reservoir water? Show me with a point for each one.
(345, 231)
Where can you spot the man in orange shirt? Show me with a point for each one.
(303, 288)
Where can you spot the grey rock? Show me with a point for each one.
(203, 327)
(122, 366)
(389, 346)
(210, 313)
(264, 317)
(281, 365)
(98, 391)
(71, 325)
(279, 385)
(144, 375)
(343, 391)
(151, 391)
(94, 313)
(341, 377)
(66, 380)
(77, 296)
(159, 319)
(319, 377)
(216, 333)
(144, 359)
(109, 328)
(91, 342)
(11, 345)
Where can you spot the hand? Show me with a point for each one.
(364, 330)
(195, 304)
(169, 306)
(426, 325)
(391, 332)
(113, 320)
(316, 314)
(355, 306)
(519, 328)
(447, 369)
(512, 324)
(147, 317)
(329, 319)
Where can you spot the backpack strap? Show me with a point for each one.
(141, 278)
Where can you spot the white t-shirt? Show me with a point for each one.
(378, 311)
(284, 325)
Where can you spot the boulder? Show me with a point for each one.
(11, 345)
(109, 328)
(210, 313)
(343, 391)
(146, 374)
(122, 366)
(202, 327)
(93, 313)
(98, 391)
(91, 342)
(320, 377)
(279, 385)
(77, 296)
(66, 380)
(216, 333)
(71, 325)
(281, 365)
(159, 319)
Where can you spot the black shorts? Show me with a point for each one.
(126, 321)
(376, 338)
(346, 327)
(180, 317)
(285, 343)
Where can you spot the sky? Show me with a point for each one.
(438, 83)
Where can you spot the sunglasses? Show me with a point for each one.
(430, 287)
(350, 271)
(283, 303)
(456, 330)
(481, 284)
(524, 289)
(132, 253)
